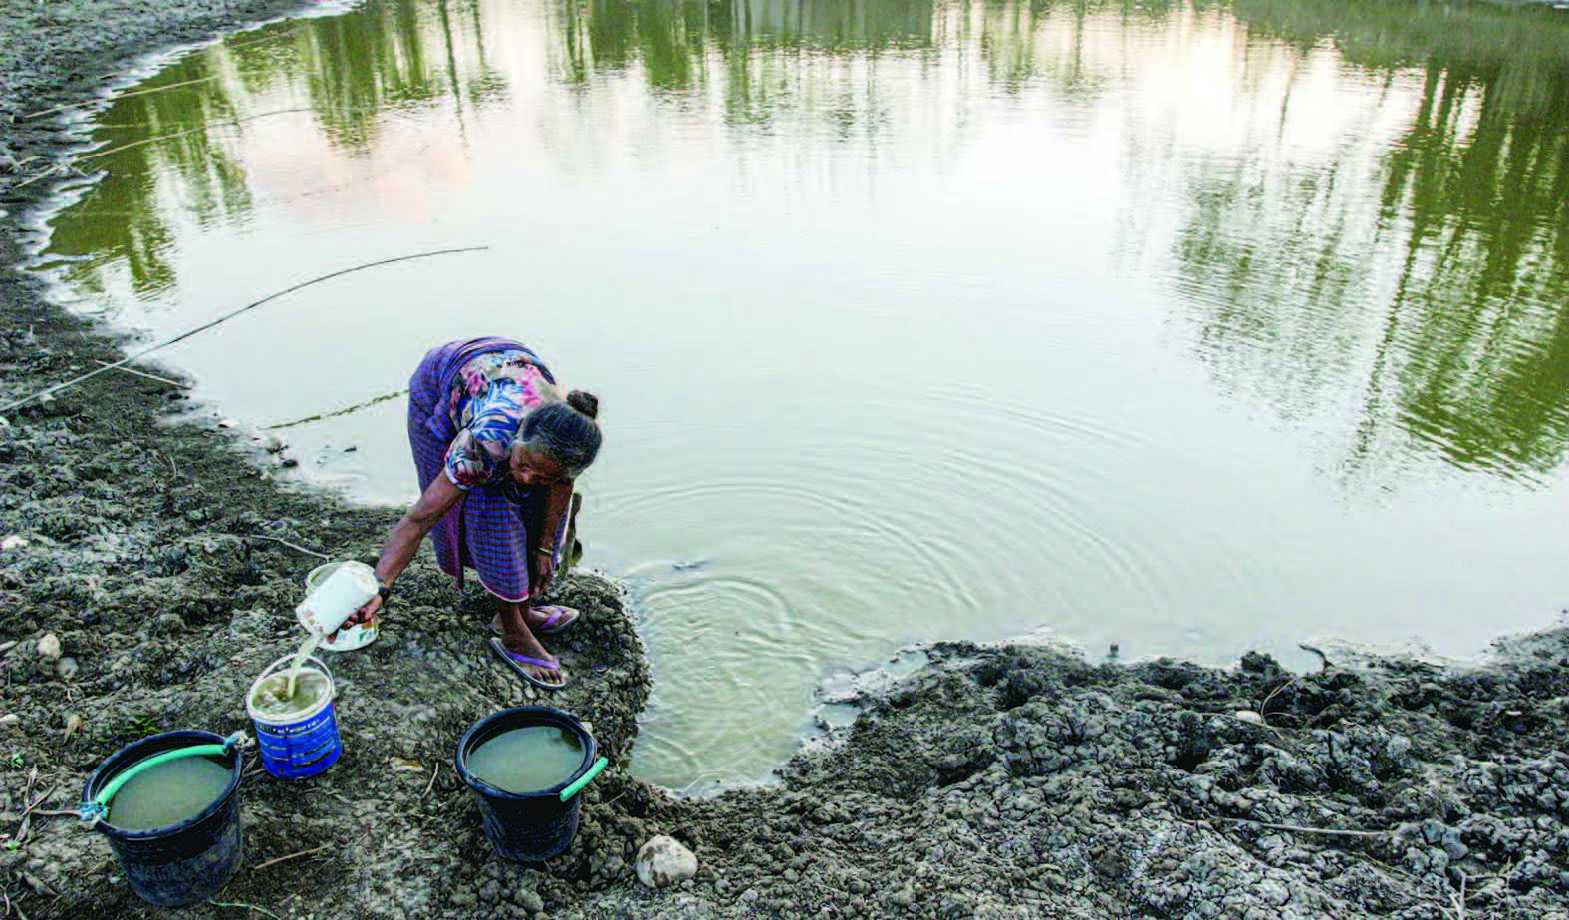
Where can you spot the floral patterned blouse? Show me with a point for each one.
(489, 400)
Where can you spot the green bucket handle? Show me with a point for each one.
(99, 806)
(577, 785)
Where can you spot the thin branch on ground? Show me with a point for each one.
(134, 371)
(244, 906)
(45, 174)
(293, 546)
(432, 783)
(278, 859)
(1262, 714)
(1459, 901)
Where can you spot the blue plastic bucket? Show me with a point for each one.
(300, 744)
(526, 826)
(182, 863)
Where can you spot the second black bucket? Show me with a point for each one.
(526, 826)
(182, 863)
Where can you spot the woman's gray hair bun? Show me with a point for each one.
(584, 402)
(565, 431)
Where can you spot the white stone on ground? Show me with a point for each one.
(663, 861)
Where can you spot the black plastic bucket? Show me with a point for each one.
(526, 826)
(182, 863)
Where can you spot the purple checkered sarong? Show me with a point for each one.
(487, 530)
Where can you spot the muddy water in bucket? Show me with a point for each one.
(528, 759)
(275, 696)
(169, 793)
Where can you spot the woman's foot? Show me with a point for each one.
(542, 672)
(517, 639)
(543, 620)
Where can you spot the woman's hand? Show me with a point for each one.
(542, 571)
(368, 615)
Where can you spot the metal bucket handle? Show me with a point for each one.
(321, 665)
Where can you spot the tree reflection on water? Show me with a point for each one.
(1412, 268)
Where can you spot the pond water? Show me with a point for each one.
(1193, 327)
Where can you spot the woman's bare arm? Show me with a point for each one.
(557, 498)
(403, 542)
(542, 561)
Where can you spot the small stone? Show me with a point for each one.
(1249, 716)
(10, 718)
(66, 668)
(663, 861)
(49, 647)
(13, 542)
(531, 901)
(73, 724)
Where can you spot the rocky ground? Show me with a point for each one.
(146, 577)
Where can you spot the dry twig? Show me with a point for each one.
(1262, 714)
(278, 859)
(131, 370)
(293, 546)
(245, 906)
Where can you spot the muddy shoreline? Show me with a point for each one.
(996, 782)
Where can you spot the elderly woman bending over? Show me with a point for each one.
(497, 448)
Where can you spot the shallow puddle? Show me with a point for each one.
(1189, 327)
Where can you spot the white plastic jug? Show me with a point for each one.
(335, 598)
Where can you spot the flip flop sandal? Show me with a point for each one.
(518, 665)
(557, 622)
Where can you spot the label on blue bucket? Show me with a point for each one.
(294, 750)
